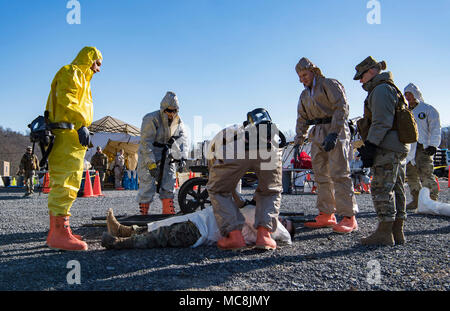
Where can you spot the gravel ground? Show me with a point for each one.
(318, 260)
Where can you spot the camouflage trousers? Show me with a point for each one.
(388, 192)
(29, 180)
(182, 234)
(421, 174)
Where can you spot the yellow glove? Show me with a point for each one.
(153, 168)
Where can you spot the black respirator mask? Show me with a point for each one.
(260, 116)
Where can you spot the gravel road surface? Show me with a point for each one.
(318, 260)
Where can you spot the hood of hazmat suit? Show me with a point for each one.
(428, 123)
(70, 100)
(411, 88)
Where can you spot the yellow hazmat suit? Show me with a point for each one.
(70, 101)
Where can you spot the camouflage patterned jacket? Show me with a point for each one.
(381, 102)
(29, 162)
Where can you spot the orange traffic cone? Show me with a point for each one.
(192, 175)
(87, 192)
(437, 182)
(97, 186)
(449, 176)
(46, 188)
(177, 185)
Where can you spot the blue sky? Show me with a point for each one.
(221, 57)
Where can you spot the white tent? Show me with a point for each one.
(109, 129)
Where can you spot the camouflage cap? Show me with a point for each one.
(306, 64)
(29, 148)
(367, 64)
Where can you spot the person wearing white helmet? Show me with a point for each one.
(419, 168)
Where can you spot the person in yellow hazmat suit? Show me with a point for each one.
(69, 102)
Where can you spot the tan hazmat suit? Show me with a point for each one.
(331, 169)
(228, 162)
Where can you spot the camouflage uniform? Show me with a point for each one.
(28, 166)
(99, 162)
(388, 193)
(420, 160)
(421, 174)
(382, 145)
(182, 234)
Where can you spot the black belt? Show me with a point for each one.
(61, 125)
(319, 121)
(159, 145)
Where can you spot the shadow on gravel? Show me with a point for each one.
(199, 276)
(15, 197)
(437, 217)
(21, 238)
(444, 230)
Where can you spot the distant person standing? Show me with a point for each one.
(419, 167)
(99, 162)
(119, 167)
(28, 166)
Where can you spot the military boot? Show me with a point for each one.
(412, 206)
(116, 229)
(397, 231)
(381, 236)
(112, 242)
(434, 195)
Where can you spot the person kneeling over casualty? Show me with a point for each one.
(190, 230)
(232, 152)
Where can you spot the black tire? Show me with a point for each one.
(189, 199)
